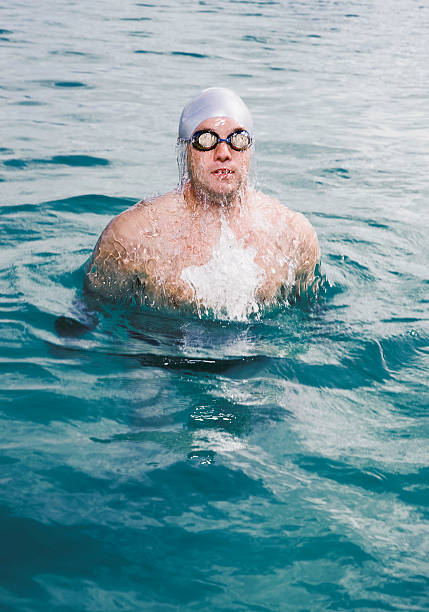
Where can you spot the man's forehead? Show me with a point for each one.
(219, 123)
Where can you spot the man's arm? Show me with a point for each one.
(112, 270)
(308, 256)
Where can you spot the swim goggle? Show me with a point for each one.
(206, 140)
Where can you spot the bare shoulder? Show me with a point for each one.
(282, 216)
(127, 230)
(118, 259)
(300, 226)
(297, 235)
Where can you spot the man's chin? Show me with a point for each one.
(219, 193)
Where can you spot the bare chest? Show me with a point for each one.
(196, 260)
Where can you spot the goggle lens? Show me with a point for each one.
(206, 140)
(240, 141)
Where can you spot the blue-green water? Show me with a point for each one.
(158, 462)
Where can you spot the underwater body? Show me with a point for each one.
(154, 459)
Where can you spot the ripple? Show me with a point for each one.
(356, 267)
(252, 38)
(189, 54)
(240, 75)
(140, 34)
(411, 488)
(4, 35)
(63, 84)
(97, 203)
(72, 53)
(59, 160)
(78, 160)
(149, 51)
(136, 18)
(341, 172)
(369, 362)
(30, 103)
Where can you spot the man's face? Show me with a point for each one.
(221, 172)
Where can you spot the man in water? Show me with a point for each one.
(215, 242)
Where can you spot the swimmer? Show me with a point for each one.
(215, 238)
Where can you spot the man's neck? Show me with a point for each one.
(222, 205)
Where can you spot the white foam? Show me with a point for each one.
(227, 283)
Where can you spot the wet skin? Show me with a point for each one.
(150, 244)
(219, 174)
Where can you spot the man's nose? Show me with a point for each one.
(222, 151)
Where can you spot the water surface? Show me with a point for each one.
(156, 461)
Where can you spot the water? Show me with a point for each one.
(153, 461)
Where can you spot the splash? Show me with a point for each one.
(226, 285)
(182, 164)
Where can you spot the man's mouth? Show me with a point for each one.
(222, 172)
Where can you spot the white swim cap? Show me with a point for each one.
(214, 102)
